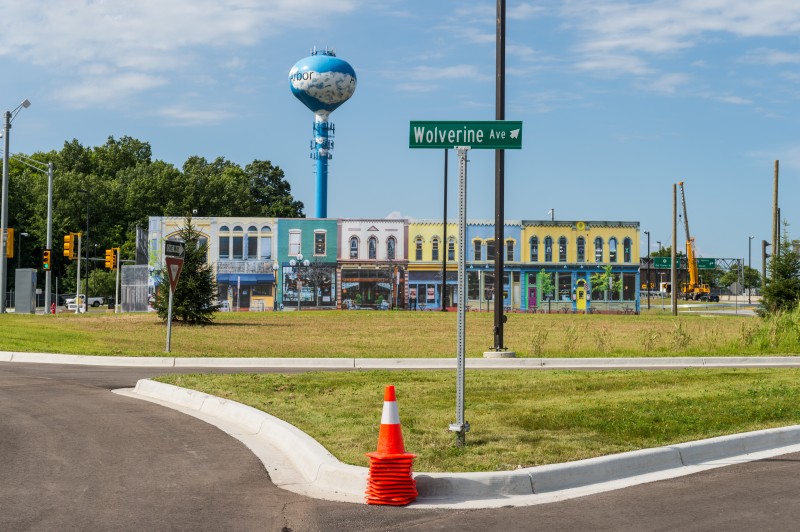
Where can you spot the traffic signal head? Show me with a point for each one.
(46, 259)
(69, 246)
(110, 259)
(10, 243)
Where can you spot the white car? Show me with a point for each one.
(93, 301)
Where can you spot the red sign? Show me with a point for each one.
(174, 267)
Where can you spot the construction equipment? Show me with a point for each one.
(693, 289)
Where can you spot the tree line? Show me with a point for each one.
(125, 187)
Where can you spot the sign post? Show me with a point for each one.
(174, 252)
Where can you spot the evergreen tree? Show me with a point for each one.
(782, 289)
(195, 294)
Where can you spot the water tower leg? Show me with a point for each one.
(322, 145)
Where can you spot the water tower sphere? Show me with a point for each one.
(322, 81)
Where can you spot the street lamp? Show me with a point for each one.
(275, 296)
(9, 117)
(86, 245)
(659, 244)
(648, 269)
(19, 250)
(749, 266)
(299, 262)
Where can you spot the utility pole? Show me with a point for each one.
(499, 178)
(673, 271)
(775, 217)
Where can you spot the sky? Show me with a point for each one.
(619, 101)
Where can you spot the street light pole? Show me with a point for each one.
(648, 269)
(749, 266)
(19, 250)
(9, 117)
(86, 243)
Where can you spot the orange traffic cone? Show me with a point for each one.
(390, 479)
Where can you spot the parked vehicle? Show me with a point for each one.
(93, 301)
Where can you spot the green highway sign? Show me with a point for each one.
(485, 134)
(666, 262)
(707, 264)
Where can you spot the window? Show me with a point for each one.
(510, 251)
(435, 249)
(294, 242)
(252, 243)
(598, 249)
(266, 242)
(238, 243)
(534, 249)
(319, 243)
(451, 249)
(391, 244)
(548, 249)
(353, 247)
(224, 243)
(418, 254)
(490, 250)
(626, 249)
(612, 249)
(564, 286)
(372, 243)
(477, 250)
(562, 249)
(581, 249)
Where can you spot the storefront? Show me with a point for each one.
(372, 287)
(315, 284)
(247, 291)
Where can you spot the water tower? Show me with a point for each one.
(322, 82)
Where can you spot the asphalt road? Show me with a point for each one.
(74, 456)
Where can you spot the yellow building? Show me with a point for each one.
(429, 247)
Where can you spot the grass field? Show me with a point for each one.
(518, 418)
(386, 334)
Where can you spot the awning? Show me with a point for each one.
(345, 286)
(245, 279)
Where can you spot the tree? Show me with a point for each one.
(545, 281)
(271, 192)
(604, 282)
(195, 295)
(782, 289)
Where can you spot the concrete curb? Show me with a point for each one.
(324, 476)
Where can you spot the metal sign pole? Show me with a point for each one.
(169, 319)
(461, 427)
(78, 278)
(116, 285)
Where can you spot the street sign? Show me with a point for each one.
(707, 264)
(485, 134)
(174, 248)
(174, 267)
(666, 262)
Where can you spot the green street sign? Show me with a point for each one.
(666, 262)
(707, 264)
(487, 134)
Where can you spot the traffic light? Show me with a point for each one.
(46, 259)
(115, 256)
(10, 243)
(110, 259)
(71, 245)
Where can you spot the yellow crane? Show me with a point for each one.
(693, 289)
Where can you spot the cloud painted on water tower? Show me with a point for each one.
(322, 82)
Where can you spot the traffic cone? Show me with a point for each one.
(390, 480)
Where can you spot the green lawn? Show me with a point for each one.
(519, 418)
(385, 334)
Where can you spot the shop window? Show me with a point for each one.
(580, 248)
(451, 249)
(266, 242)
(435, 249)
(391, 245)
(598, 249)
(490, 250)
(564, 286)
(418, 253)
(353, 247)
(548, 249)
(534, 249)
(237, 253)
(294, 242)
(372, 244)
(473, 285)
(629, 286)
(224, 243)
(319, 243)
(510, 251)
(252, 243)
(612, 249)
(626, 249)
(562, 249)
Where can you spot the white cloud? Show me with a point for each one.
(767, 56)
(186, 116)
(665, 83)
(100, 92)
